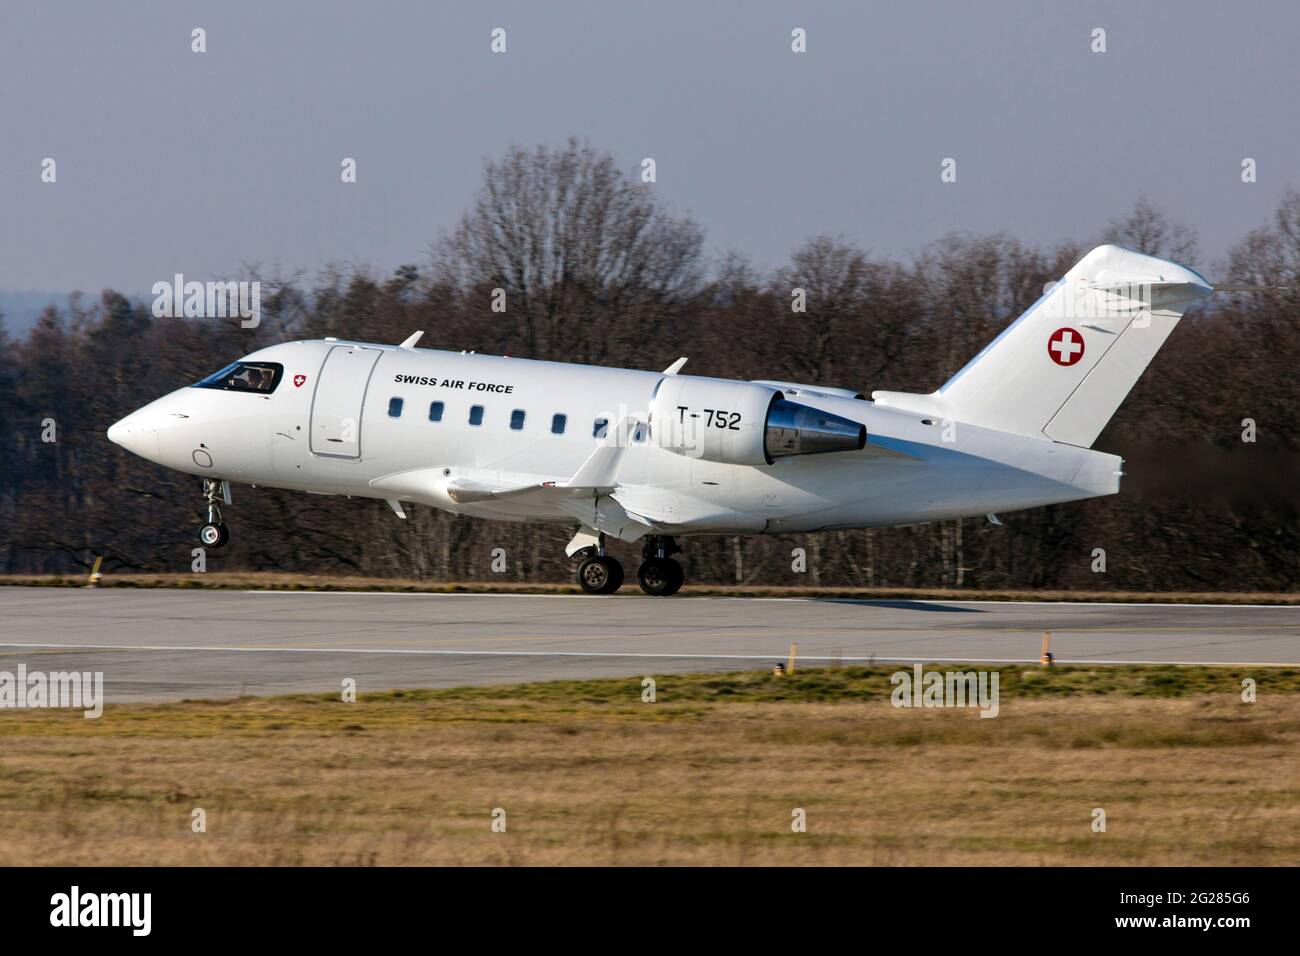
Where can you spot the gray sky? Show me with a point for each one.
(170, 161)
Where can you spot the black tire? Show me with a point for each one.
(213, 535)
(653, 576)
(598, 575)
(678, 577)
(660, 577)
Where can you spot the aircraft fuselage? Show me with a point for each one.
(407, 424)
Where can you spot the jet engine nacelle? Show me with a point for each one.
(743, 423)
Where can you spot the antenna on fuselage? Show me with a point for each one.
(411, 340)
(676, 366)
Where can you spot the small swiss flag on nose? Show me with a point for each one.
(298, 380)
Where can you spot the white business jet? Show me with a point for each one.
(653, 456)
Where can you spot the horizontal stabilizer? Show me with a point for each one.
(1231, 287)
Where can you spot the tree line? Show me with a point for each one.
(596, 269)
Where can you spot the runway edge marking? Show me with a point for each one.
(777, 654)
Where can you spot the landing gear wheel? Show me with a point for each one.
(660, 577)
(600, 575)
(214, 535)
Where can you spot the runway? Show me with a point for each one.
(173, 644)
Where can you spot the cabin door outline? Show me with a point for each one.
(338, 400)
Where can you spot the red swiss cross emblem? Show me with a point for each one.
(1065, 346)
(298, 380)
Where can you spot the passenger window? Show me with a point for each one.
(476, 415)
(394, 408)
(435, 412)
(602, 426)
(517, 419)
(557, 423)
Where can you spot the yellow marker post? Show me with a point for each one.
(94, 573)
(794, 649)
(1046, 658)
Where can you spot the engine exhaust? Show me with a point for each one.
(794, 429)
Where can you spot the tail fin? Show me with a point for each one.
(1063, 368)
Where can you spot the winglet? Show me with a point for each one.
(411, 340)
(601, 468)
(676, 366)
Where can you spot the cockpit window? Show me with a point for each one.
(260, 377)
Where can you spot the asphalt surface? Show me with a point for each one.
(173, 644)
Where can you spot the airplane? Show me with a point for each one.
(651, 457)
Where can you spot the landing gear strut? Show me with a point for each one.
(214, 534)
(659, 575)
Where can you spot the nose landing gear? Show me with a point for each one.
(659, 575)
(215, 534)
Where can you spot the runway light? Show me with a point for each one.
(1046, 658)
(94, 573)
(778, 669)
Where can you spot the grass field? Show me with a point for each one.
(588, 773)
(276, 581)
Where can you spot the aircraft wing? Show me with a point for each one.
(468, 490)
(598, 475)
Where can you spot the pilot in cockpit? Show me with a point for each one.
(252, 378)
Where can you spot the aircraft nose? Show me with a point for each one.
(137, 433)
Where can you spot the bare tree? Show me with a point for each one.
(1148, 230)
(588, 260)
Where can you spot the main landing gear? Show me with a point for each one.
(658, 575)
(214, 534)
(600, 574)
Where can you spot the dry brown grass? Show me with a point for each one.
(278, 581)
(587, 773)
